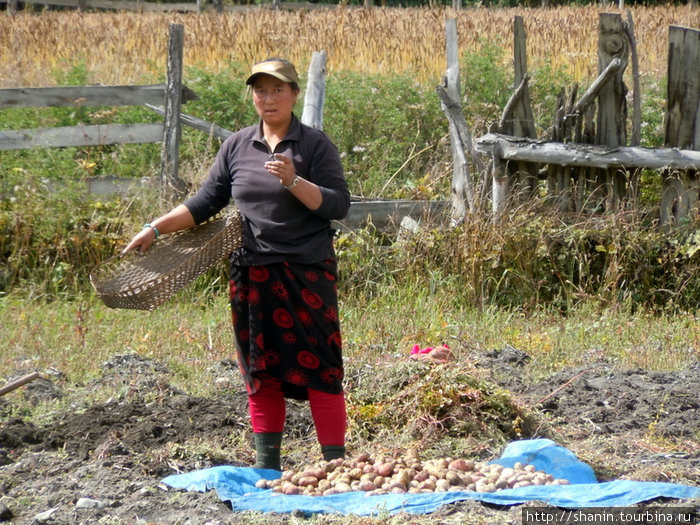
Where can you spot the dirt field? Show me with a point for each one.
(103, 463)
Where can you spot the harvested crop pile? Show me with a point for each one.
(435, 401)
(405, 474)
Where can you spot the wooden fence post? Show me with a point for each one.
(460, 138)
(612, 104)
(314, 98)
(524, 175)
(679, 196)
(499, 190)
(171, 183)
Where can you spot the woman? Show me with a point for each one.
(287, 180)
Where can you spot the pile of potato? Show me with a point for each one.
(406, 474)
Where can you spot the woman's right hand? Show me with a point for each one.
(179, 218)
(141, 241)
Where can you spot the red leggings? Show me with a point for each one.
(268, 411)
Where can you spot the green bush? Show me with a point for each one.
(388, 130)
(53, 234)
(533, 259)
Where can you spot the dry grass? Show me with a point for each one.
(126, 48)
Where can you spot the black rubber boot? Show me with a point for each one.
(333, 452)
(267, 450)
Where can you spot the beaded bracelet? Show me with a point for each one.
(149, 225)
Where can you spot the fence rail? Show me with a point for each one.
(96, 135)
(590, 155)
(87, 96)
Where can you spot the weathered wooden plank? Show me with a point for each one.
(612, 105)
(196, 123)
(387, 214)
(682, 121)
(683, 91)
(315, 96)
(460, 137)
(523, 175)
(593, 91)
(572, 154)
(636, 128)
(80, 136)
(80, 96)
(19, 382)
(171, 183)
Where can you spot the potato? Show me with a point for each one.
(316, 472)
(501, 484)
(296, 477)
(403, 477)
(458, 464)
(367, 486)
(287, 475)
(261, 484)
(442, 485)
(370, 476)
(453, 477)
(306, 481)
(412, 453)
(427, 484)
(435, 470)
(355, 473)
(384, 469)
(421, 476)
(290, 489)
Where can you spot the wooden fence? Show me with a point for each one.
(586, 163)
(172, 94)
(384, 214)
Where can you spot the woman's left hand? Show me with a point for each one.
(281, 167)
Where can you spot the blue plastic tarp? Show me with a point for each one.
(237, 486)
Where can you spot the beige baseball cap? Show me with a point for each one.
(276, 67)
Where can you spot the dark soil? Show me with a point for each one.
(104, 462)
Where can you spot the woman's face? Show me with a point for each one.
(274, 99)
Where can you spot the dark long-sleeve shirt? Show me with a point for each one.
(277, 226)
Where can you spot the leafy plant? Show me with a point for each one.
(388, 130)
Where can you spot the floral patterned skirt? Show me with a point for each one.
(285, 320)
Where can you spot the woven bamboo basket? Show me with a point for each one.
(144, 282)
